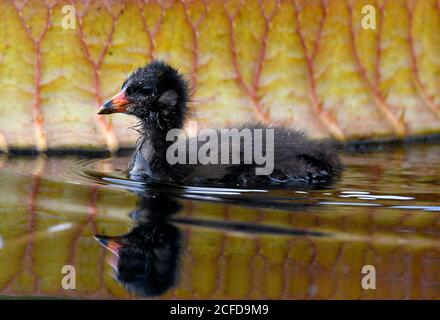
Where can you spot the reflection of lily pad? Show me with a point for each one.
(246, 244)
(299, 63)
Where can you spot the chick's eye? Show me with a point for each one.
(129, 90)
(146, 90)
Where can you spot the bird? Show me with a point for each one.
(158, 95)
(146, 260)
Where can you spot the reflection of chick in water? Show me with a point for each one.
(147, 257)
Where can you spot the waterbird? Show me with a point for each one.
(158, 96)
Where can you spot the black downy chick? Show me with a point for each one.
(146, 260)
(157, 95)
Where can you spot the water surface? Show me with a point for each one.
(192, 242)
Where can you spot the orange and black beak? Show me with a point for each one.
(113, 244)
(117, 104)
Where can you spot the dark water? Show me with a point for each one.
(170, 241)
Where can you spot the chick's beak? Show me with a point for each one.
(113, 244)
(117, 104)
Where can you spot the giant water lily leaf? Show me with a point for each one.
(303, 64)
